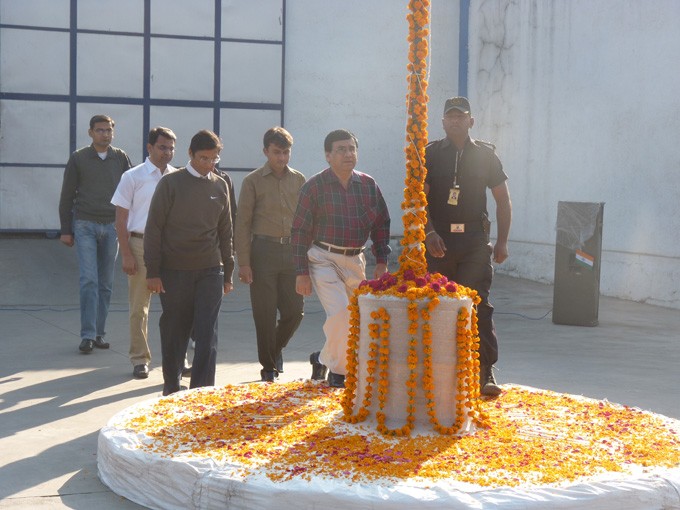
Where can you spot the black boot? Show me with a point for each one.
(487, 382)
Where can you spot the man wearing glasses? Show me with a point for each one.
(338, 210)
(132, 199)
(87, 221)
(189, 260)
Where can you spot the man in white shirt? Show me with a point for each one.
(132, 199)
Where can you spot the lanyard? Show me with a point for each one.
(459, 155)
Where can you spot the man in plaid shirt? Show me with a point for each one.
(338, 210)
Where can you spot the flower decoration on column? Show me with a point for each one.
(414, 217)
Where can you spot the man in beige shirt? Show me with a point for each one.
(266, 206)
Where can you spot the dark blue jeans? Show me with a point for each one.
(191, 306)
(467, 261)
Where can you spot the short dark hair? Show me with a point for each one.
(337, 136)
(204, 140)
(101, 118)
(279, 137)
(154, 133)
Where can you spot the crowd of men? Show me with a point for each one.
(180, 232)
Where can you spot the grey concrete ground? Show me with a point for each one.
(53, 400)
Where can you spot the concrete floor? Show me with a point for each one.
(54, 400)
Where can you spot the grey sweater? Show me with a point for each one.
(89, 183)
(189, 225)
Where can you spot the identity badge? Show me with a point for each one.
(454, 193)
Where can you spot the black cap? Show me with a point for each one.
(459, 103)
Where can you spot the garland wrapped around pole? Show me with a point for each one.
(415, 201)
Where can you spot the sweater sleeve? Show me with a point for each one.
(69, 189)
(155, 223)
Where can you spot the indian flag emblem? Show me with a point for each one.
(585, 260)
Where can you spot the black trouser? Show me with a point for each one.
(467, 261)
(272, 291)
(191, 306)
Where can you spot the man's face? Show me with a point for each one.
(343, 156)
(101, 134)
(161, 152)
(456, 123)
(205, 160)
(277, 157)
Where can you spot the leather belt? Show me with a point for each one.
(137, 235)
(340, 251)
(277, 240)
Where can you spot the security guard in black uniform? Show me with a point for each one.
(459, 170)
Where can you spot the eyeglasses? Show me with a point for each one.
(164, 148)
(344, 150)
(103, 131)
(205, 159)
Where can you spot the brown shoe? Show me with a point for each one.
(487, 382)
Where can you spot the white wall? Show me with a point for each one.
(578, 96)
(581, 99)
(346, 68)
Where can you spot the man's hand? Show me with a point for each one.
(67, 239)
(303, 285)
(500, 252)
(129, 264)
(228, 287)
(380, 269)
(155, 285)
(435, 245)
(245, 274)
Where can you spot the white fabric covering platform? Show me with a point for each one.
(181, 480)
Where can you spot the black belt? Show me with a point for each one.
(137, 234)
(339, 251)
(277, 240)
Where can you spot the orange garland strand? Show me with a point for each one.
(415, 201)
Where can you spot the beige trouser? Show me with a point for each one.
(139, 297)
(334, 278)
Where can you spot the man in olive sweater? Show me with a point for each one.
(189, 260)
(87, 221)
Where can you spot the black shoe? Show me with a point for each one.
(167, 392)
(99, 343)
(140, 371)
(336, 380)
(279, 363)
(318, 369)
(86, 346)
(268, 375)
(487, 382)
(186, 371)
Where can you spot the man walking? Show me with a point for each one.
(87, 221)
(459, 171)
(267, 203)
(132, 199)
(189, 260)
(338, 210)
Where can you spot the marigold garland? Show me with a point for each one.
(415, 201)
(412, 281)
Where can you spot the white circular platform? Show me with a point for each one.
(263, 446)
